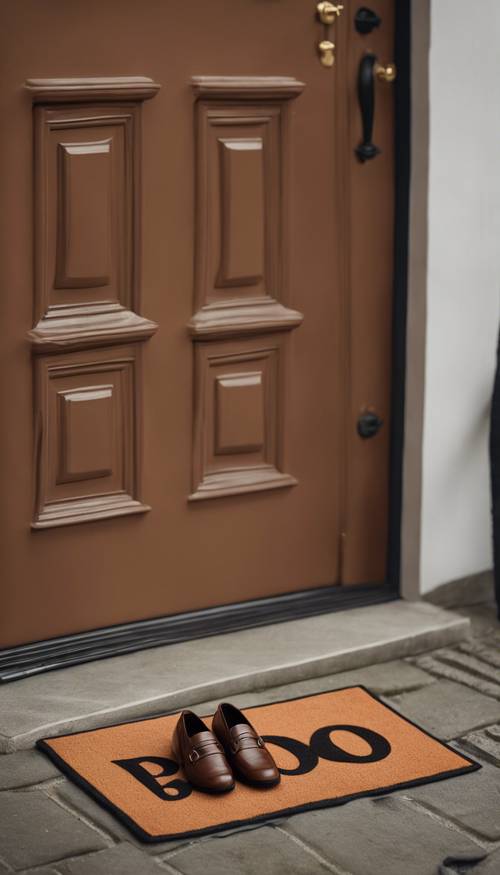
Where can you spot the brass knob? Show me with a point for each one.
(385, 74)
(327, 12)
(327, 53)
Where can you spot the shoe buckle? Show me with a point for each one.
(193, 756)
(235, 745)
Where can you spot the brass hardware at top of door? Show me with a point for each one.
(327, 11)
(327, 53)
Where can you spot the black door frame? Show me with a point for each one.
(29, 659)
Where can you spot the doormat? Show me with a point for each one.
(330, 748)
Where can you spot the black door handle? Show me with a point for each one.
(366, 96)
(369, 68)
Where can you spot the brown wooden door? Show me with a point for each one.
(207, 309)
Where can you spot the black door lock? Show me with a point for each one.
(369, 424)
(366, 20)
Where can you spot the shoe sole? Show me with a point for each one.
(211, 791)
(264, 785)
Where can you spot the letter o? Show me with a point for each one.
(325, 748)
(308, 759)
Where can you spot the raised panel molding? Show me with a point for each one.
(87, 298)
(242, 184)
(86, 433)
(213, 323)
(242, 212)
(88, 425)
(241, 283)
(239, 418)
(84, 241)
(99, 88)
(87, 212)
(107, 326)
(239, 413)
(246, 87)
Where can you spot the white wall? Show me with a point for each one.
(463, 283)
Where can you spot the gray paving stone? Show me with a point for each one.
(447, 709)
(485, 742)
(25, 768)
(490, 655)
(461, 864)
(483, 618)
(471, 800)
(168, 678)
(36, 831)
(123, 859)
(264, 851)
(489, 866)
(471, 663)
(80, 802)
(383, 835)
(441, 668)
(387, 677)
(38, 871)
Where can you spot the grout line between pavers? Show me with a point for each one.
(401, 691)
(332, 867)
(461, 677)
(472, 729)
(34, 870)
(54, 864)
(481, 651)
(468, 659)
(449, 823)
(83, 818)
(479, 752)
(41, 785)
(448, 659)
(178, 850)
(165, 865)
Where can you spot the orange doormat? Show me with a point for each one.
(331, 748)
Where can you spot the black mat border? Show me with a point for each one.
(42, 744)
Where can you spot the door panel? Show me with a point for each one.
(207, 311)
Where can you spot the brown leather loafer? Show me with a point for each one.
(245, 750)
(201, 755)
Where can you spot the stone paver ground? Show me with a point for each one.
(50, 827)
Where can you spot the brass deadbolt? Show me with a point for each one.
(327, 53)
(327, 12)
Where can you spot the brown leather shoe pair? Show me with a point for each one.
(212, 759)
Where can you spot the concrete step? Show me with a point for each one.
(180, 675)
